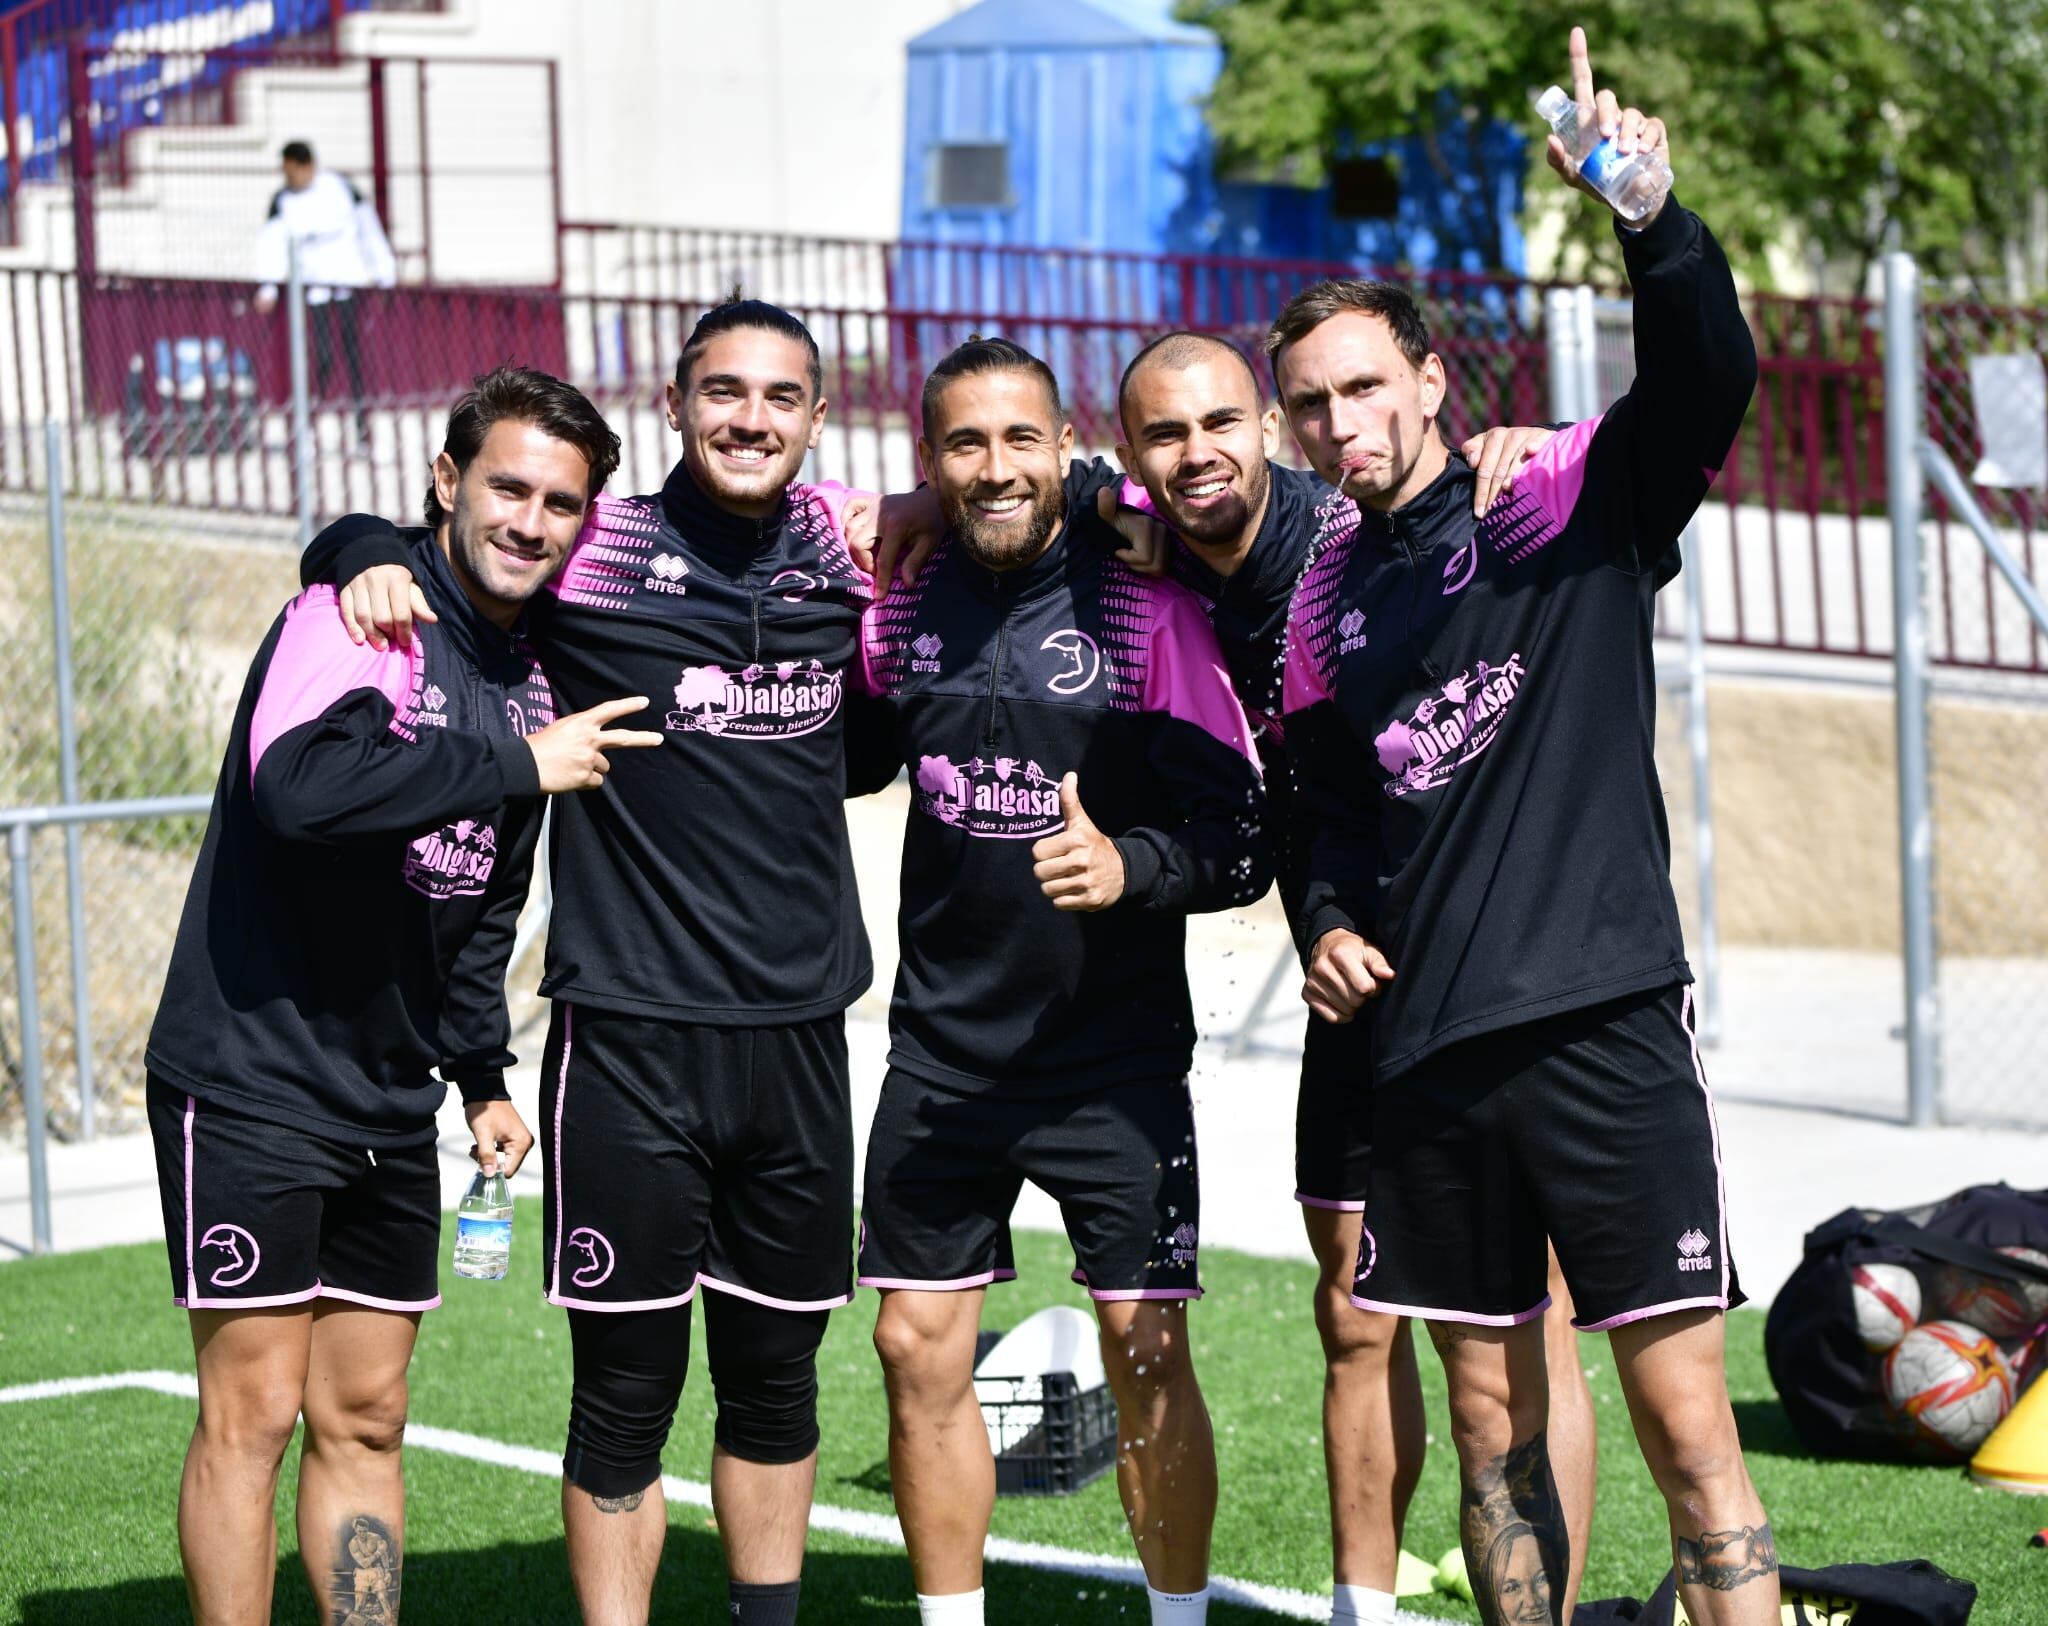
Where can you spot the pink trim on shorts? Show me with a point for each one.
(1332, 1205)
(622, 1304)
(1713, 1301)
(561, 1091)
(268, 1301)
(899, 1284)
(768, 1299)
(1127, 1295)
(1425, 1313)
(371, 1301)
(1699, 1071)
(191, 1275)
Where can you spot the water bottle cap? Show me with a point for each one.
(1553, 102)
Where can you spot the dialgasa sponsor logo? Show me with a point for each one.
(1447, 729)
(778, 701)
(1008, 798)
(454, 862)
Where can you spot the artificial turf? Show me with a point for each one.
(88, 1483)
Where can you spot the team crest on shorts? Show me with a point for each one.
(1695, 1252)
(598, 1257)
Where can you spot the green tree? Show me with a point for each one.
(1810, 120)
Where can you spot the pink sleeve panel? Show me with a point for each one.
(1185, 675)
(1557, 473)
(1132, 495)
(314, 665)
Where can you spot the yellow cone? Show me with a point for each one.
(2015, 1458)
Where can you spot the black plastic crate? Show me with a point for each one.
(1069, 1437)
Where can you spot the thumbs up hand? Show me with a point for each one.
(1080, 868)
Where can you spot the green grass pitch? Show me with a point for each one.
(88, 1483)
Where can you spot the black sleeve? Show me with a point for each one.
(873, 757)
(350, 546)
(1084, 480)
(1219, 853)
(346, 776)
(1696, 371)
(1333, 834)
(476, 1026)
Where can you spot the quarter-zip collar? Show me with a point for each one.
(1026, 581)
(731, 541)
(1419, 520)
(482, 640)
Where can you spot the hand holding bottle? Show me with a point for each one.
(1618, 154)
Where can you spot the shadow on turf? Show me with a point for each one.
(1767, 1431)
(522, 1582)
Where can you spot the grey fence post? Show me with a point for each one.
(32, 1110)
(1702, 788)
(302, 405)
(67, 773)
(1904, 480)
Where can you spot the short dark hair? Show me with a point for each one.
(526, 395)
(1184, 348)
(979, 355)
(297, 152)
(1316, 304)
(738, 312)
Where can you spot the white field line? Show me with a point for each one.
(880, 1528)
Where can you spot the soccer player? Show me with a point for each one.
(1082, 780)
(1200, 439)
(346, 933)
(1469, 713)
(705, 942)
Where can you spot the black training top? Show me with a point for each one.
(1471, 706)
(352, 912)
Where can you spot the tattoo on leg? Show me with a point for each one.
(1722, 1560)
(366, 1572)
(1515, 1542)
(618, 1504)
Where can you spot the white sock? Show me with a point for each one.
(1361, 1606)
(951, 1609)
(1178, 1608)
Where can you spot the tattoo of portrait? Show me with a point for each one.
(1514, 1535)
(1722, 1560)
(366, 1572)
(617, 1504)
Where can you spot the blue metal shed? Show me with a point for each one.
(1079, 124)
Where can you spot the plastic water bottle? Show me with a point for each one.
(1633, 186)
(483, 1229)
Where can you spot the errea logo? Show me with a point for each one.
(1693, 1251)
(667, 575)
(1351, 632)
(925, 647)
(432, 700)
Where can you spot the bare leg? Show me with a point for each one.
(1166, 1453)
(252, 1372)
(1574, 1438)
(1374, 1437)
(614, 1549)
(1510, 1522)
(764, 1513)
(351, 1486)
(1672, 1373)
(940, 1465)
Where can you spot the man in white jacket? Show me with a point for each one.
(341, 246)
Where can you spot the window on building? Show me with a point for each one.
(970, 175)
(1364, 189)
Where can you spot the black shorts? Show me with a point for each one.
(1595, 1127)
(258, 1214)
(681, 1156)
(944, 1170)
(1333, 1115)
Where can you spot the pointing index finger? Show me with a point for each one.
(623, 707)
(1582, 70)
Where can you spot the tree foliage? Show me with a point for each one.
(1809, 121)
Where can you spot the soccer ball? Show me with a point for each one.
(2001, 1306)
(1887, 1300)
(1950, 1384)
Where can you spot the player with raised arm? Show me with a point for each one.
(1082, 780)
(1469, 713)
(346, 934)
(705, 942)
